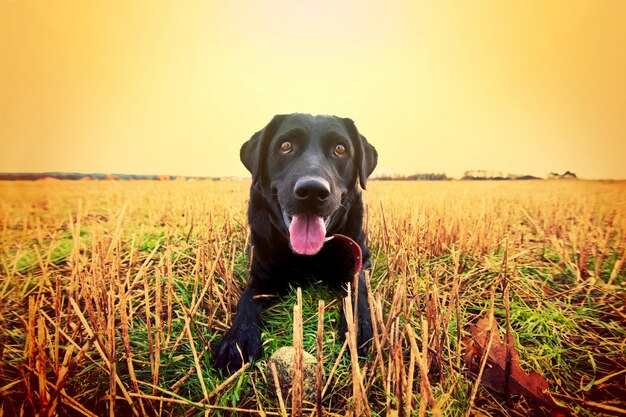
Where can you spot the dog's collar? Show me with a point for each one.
(356, 249)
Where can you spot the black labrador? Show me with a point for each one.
(306, 171)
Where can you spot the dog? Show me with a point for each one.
(306, 173)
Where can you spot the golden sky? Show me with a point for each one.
(147, 87)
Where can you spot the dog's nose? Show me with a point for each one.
(312, 191)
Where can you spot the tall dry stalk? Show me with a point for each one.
(298, 365)
(359, 396)
(319, 371)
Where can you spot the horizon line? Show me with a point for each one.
(72, 175)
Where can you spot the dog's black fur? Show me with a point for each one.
(330, 179)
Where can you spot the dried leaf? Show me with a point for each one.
(530, 385)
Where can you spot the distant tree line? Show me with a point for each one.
(483, 174)
(566, 176)
(479, 174)
(471, 175)
(413, 177)
(32, 176)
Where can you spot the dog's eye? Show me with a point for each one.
(286, 147)
(340, 150)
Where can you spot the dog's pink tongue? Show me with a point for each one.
(307, 233)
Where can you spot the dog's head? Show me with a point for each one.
(308, 164)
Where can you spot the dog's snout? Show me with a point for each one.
(312, 191)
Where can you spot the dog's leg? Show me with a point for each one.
(242, 342)
(366, 334)
(364, 321)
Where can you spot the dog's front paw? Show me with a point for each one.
(364, 336)
(240, 345)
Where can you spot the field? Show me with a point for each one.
(114, 293)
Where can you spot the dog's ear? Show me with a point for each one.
(253, 152)
(366, 155)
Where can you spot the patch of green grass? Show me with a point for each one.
(28, 257)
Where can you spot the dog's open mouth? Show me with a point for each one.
(307, 232)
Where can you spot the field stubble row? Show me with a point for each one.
(113, 294)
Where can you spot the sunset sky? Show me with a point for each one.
(138, 87)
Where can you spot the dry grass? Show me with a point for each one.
(113, 293)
